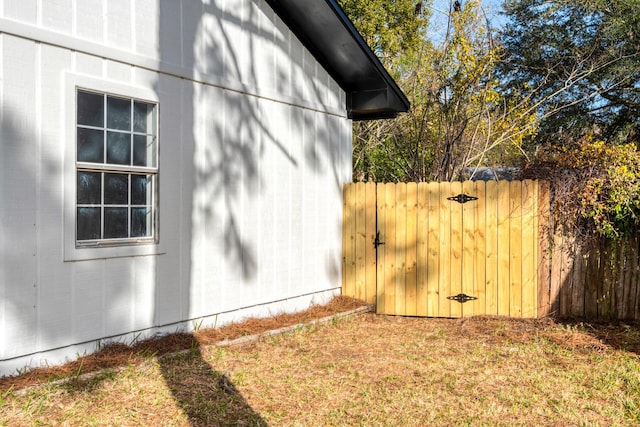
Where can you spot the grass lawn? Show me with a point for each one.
(360, 370)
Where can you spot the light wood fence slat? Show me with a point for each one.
(468, 260)
(381, 262)
(411, 245)
(401, 249)
(480, 246)
(515, 249)
(444, 264)
(370, 217)
(360, 237)
(504, 249)
(456, 248)
(491, 245)
(433, 266)
(422, 250)
(389, 249)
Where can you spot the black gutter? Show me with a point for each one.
(326, 31)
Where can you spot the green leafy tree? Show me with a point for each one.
(596, 186)
(579, 62)
(391, 28)
(458, 118)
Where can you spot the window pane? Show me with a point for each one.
(144, 150)
(90, 109)
(140, 222)
(143, 117)
(115, 223)
(118, 113)
(116, 189)
(118, 148)
(88, 223)
(140, 189)
(90, 145)
(89, 188)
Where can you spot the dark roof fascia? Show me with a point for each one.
(326, 31)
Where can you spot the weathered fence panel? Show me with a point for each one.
(597, 279)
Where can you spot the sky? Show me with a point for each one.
(440, 10)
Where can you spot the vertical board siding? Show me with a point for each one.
(241, 200)
(433, 248)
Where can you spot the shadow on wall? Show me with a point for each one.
(30, 203)
(231, 140)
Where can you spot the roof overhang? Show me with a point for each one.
(326, 31)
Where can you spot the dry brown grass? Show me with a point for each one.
(118, 354)
(366, 370)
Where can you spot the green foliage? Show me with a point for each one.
(390, 28)
(458, 117)
(580, 62)
(611, 195)
(597, 186)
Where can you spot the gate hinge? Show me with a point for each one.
(462, 198)
(462, 298)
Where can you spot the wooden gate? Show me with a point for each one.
(449, 249)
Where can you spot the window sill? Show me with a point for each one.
(84, 253)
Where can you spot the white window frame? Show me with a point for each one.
(107, 248)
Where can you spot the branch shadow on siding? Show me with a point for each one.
(233, 146)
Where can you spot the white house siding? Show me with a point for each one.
(254, 148)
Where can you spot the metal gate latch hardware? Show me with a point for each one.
(376, 241)
(462, 198)
(462, 298)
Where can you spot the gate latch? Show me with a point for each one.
(462, 298)
(376, 241)
(462, 198)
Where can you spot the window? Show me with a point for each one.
(116, 170)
